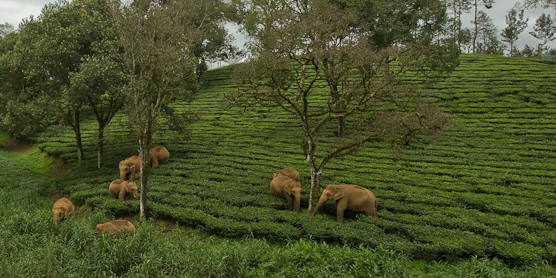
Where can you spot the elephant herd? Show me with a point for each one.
(285, 184)
(122, 188)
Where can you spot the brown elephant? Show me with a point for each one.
(130, 168)
(116, 227)
(290, 172)
(284, 186)
(159, 155)
(120, 189)
(348, 196)
(62, 209)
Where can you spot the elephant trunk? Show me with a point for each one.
(322, 200)
(123, 175)
(297, 202)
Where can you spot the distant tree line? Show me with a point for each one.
(484, 38)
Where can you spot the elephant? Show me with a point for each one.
(348, 196)
(284, 186)
(62, 209)
(159, 155)
(116, 227)
(130, 168)
(119, 189)
(290, 172)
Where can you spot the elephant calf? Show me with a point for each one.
(285, 184)
(159, 155)
(116, 227)
(62, 209)
(130, 168)
(120, 189)
(348, 196)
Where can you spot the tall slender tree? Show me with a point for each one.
(159, 64)
(476, 5)
(99, 78)
(516, 23)
(487, 39)
(458, 8)
(544, 30)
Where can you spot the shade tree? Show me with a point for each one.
(292, 43)
(159, 66)
(515, 24)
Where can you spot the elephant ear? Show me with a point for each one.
(336, 194)
(288, 188)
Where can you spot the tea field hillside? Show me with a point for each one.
(486, 188)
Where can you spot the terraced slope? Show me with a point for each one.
(486, 188)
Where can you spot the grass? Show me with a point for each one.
(481, 195)
(31, 246)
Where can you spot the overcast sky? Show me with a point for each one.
(13, 11)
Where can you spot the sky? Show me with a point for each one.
(13, 11)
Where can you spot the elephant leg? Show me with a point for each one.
(290, 202)
(121, 196)
(340, 207)
(154, 162)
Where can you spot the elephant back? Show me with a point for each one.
(289, 172)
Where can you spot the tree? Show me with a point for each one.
(544, 30)
(541, 3)
(487, 4)
(464, 40)
(159, 64)
(458, 8)
(55, 46)
(488, 42)
(291, 43)
(515, 25)
(527, 51)
(385, 23)
(208, 35)
(99, 78)
(23, 111)
(5, 29)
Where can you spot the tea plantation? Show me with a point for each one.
(486, 188)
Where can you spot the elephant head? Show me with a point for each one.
(331, 192)
(127, 170)
(294, 191)
(131, 187)
(58, 213)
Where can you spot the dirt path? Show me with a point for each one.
(15, 145)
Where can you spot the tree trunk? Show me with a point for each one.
(341, 126)
(77, 131)
(314, 192)
(335, 95)
(144, 151)
(145, 171)
(100, 145)
(476, 27)
(511, 49)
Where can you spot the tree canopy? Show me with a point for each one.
(298, 44)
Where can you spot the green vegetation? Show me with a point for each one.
(31, 246)
(485, 189)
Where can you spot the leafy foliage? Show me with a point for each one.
(485, 189)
